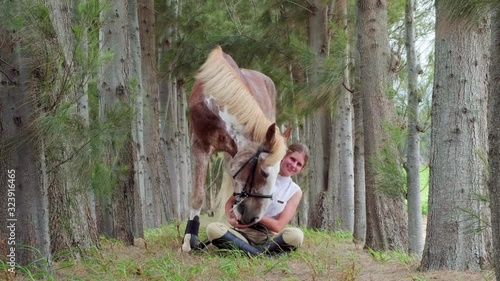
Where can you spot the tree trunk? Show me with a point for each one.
(415, 228)
(174, 196)
(152, 203)
(168, 200)
(182, 145)
(359, 233)
(175, 138)
(72, 217)
(345, 112)
(332, 202)
(141, 177)
(494, 141)
(386, 220)
(117, 209)
(24, 198)
(318, 37)
(455, 226)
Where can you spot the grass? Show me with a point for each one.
(323, 256)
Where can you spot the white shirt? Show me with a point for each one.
(283, 190)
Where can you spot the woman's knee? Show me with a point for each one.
(293, 236)
(216, 230)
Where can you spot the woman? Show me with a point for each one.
(256, 238)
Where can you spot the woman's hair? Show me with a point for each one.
(301, 148)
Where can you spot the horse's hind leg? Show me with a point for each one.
(201, 158)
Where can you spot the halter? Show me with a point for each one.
(249, 182)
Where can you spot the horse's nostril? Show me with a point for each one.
(241, 209)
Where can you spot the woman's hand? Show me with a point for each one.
(234, 222)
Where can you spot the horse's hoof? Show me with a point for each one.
(186, 244)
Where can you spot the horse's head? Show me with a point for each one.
(254, 171)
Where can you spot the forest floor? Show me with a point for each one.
(323, 256)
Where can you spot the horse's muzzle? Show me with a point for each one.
(247, 215)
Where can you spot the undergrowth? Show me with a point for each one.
(323, 256)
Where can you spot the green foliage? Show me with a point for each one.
(73, 144)
(391, 175)
(111, 139)
(395, 11)
(388, 162)
(467, 10)
(248, 32)
(424, 189)
(397, 255)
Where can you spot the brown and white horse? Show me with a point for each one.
(233, 110)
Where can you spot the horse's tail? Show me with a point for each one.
(225, 191)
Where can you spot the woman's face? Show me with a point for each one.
(292, 164)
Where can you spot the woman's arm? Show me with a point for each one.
(277, 225)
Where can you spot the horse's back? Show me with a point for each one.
(263, 90)
(259, 85)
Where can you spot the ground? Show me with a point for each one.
(323, 256)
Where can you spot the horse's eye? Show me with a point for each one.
(264, 173)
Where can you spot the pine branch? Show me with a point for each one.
(75, 152)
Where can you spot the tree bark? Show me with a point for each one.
(118, 206)
(152, 204)
(359, 233)
(386, 220)
(345, 129)
(415, 228)
(494, 141)
(455, 225)
(174, 129)
(72, 214)
(320, 122)
(25, 217)
(141, 177)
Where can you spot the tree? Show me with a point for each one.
(359, 232)
(120, 201)
(415, 229)
(494, 140)
(345, 109)
(152, 203)
(174, 129)
(455, 230)
(386, 220)
(72, 212)
(320, 122)
(21, 153)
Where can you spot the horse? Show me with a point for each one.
(232, 110)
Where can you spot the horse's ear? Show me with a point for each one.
(271, 131)
(287, 133)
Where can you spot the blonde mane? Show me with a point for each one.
(222, 82)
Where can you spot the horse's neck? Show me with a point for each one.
(235, 130)
(231, 125)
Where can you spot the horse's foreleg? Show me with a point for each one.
(190, 240)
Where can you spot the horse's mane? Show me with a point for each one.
(223, 82)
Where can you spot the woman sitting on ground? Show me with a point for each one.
(270, 235)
